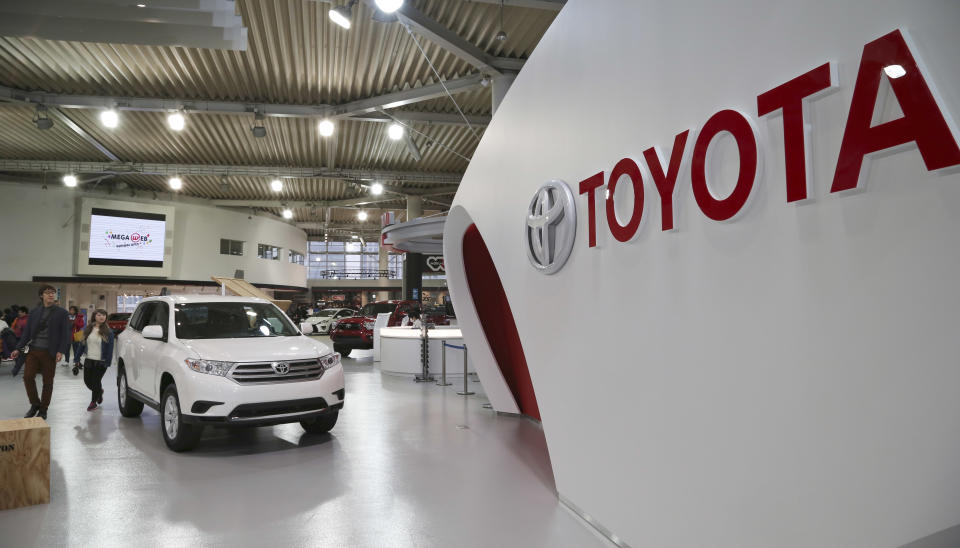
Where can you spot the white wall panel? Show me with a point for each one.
(789, 378)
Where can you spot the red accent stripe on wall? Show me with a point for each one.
(490, 300)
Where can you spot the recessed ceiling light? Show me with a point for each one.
(389, 6)
(395, 131)
(176, 121)
(325, 128)
(109, 118)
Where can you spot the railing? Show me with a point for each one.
(356, 274)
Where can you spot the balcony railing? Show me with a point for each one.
(361, 274)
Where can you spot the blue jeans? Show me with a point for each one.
(77, 350)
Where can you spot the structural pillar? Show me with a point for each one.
(413, 262)
(501, 84)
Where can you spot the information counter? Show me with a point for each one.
(400, 351)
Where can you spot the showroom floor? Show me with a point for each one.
(407, 465)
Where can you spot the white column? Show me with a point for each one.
(501, 84)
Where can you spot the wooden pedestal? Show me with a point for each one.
(24, 462)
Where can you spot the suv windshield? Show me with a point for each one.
(371, 310)
(226, 320)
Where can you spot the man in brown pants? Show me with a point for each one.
(48, 335)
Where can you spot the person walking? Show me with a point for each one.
(76, 334)
(18, 325)
(48, 334)
(98, 340)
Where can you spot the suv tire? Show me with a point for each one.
(343, 350)
(321, 424)
(179, 435)
(129, 407)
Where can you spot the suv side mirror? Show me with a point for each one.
(153, 332)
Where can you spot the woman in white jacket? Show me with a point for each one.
(98, 340)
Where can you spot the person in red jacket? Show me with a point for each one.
(77, 325)
(18, 325)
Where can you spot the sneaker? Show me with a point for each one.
(42, 413)
(32, 412)
(76, 370)
(92, 406)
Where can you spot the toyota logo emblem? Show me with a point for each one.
(282, 368)
(551, 227)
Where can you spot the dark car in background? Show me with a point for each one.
(118, 321)
(357, 332)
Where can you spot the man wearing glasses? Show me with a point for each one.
(48, 336)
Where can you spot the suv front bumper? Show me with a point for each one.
(219, 401)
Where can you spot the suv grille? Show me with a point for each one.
(263, 372)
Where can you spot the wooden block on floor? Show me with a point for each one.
(24, 462)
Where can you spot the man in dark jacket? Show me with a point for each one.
(48, 334)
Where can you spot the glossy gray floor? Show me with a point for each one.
(407, 465)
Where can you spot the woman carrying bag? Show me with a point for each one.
(98, 339)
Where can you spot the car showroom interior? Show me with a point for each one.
(470, 273)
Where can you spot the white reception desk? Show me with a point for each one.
(400, 351)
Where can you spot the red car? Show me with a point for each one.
(357, 332)
(118, 321)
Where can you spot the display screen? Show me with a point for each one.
(126, 238)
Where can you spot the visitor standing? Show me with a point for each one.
(48, 335)
(76, 334)
(98, 341)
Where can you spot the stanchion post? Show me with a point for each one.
(443, 366)
(466, 391)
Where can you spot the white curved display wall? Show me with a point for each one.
(787, 376)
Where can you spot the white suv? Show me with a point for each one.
(224, 361)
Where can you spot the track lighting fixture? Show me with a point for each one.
(376, 189)
(389, 6)
(325, 127)
(70, 180)
(40, 118)
(175, 183)
(362, 215)
(276, 185)
(343, 14)
(176, 121)
(395, 131)
(109, 118)
(258, 130)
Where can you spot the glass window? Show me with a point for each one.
(140, 317)
(231, 247)
(128, 303)
(296, 257)
(353, 247)
(265, 251)
(335, 246)
(372, 247)
(231, 320)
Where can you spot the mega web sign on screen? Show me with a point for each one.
(126, 238)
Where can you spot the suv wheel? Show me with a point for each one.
(321, 424)
(129, 407)
(343, 350)
(179, 435)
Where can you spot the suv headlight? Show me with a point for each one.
(210, 367)
(368, 325)
(330, 360)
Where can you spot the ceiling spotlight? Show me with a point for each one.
(141, 5)
(175, 183)
(341, 15)
(485, 81)
(287, 213)
(109, 118)
(325, 127)
(362, 215)
(258, 130)
(389, 6)
(40, 118)
(395, 131)
(894, 71)
(176, 121)
(501, 36)
(276, 185)
(376, 189)
(70, 180)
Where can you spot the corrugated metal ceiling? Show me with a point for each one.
(295, 55)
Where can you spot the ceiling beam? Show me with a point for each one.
(449, 40)
(59, 115)
(363, 109)
(548, 5)
(137, 168)
(348, 203)
(429, 118)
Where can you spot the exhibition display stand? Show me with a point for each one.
(400, 350)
